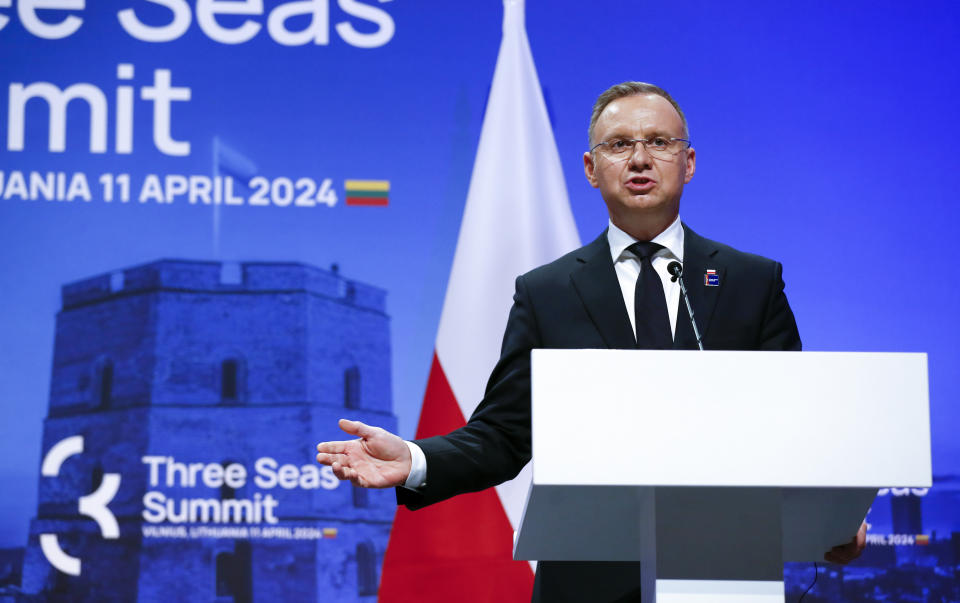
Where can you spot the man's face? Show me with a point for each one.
(639, 189)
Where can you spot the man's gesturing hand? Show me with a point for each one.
(378, 459)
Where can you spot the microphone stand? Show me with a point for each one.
(676, 269)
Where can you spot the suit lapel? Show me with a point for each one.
(596, 283)
(699, 255)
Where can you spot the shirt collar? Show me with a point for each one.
(671, 239)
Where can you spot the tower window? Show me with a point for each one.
(229, 375)
(227, 492)
(351, 387)
(96, 477)
(361, 497)
(366, 569)
(103, 393)
(224, 563)
(234, 573)
(58, 583)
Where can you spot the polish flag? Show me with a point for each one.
(517, 217)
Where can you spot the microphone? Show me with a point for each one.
(675, 268)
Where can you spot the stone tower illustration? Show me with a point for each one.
(203, 388)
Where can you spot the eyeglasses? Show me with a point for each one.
(660, 147)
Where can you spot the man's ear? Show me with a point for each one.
(691, 165)
(590, 169)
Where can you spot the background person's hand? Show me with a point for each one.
(845, 553)
(378, 459)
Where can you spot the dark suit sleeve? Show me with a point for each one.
(779, 327)
(494, 445)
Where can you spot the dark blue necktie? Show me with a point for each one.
(650, 303)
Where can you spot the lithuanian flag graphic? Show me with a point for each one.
(368, 192)
(329, 532)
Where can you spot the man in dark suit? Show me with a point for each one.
(615, 292)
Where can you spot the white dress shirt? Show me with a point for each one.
(418, 467)
(627, 266)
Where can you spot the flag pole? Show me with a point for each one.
(517, 217)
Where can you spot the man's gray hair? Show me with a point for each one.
(631, 89)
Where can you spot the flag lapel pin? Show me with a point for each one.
(711, 278)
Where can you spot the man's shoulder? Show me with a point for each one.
(559, 270)
(696, 245)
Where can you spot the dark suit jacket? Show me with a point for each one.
(575, 302)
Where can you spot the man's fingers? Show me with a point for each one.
(842, 554)
(836, 556)
(862, 536)
(373, 447)
(356, 428)
(349, 426)
(845, 553)
(328, 459)
(332, 447)
(343, 472)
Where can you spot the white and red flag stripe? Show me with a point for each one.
(517, 217)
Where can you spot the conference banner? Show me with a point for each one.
(226, 224)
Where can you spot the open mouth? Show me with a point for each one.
(640, 184)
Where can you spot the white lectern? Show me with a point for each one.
(713, 468)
